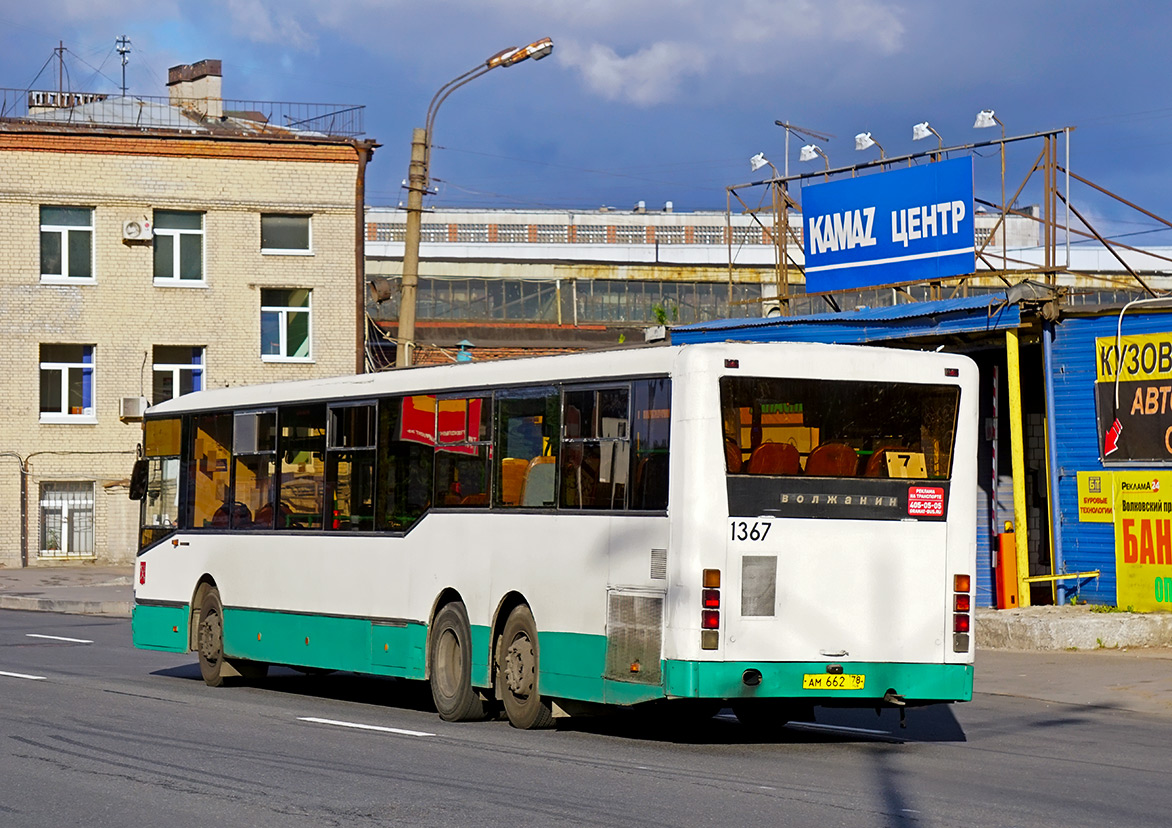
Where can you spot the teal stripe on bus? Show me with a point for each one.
(723, 680)
(155, 627)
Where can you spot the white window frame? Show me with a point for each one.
(88, 415)
(176, 236)
(176, 370)
(289, 251)
(283, 313)
(68, 498)
(63, 230)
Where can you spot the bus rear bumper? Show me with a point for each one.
(912, 682)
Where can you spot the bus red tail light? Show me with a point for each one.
(710, 610)
(962, 603)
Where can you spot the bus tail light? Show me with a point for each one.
(962, 602)
(710, 610)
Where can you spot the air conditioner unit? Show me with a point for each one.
(132, 409)
(137, 230)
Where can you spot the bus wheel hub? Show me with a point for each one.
(519, 668)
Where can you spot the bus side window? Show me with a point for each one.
(209, 473)
(350, 458)
(302, 448)
(650, 437)
(463, 442)
(406, 440)
(525, 448)
(595, 467)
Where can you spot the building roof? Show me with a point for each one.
(971, 314)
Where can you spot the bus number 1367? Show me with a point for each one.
(744, 530)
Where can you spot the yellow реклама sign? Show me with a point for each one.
(1143, 540)
(1096, 496)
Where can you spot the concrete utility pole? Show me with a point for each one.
(418, 182)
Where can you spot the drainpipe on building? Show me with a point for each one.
(23, 464)
(1058, 559)
(364, 149)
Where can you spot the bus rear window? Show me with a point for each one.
(838, 428)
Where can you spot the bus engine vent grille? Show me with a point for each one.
(759, 585)
(634, 637)
(659, 564)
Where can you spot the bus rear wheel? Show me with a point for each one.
(213, 666)
(451, 666)
(518, 669)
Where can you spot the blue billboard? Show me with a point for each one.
(907, 225)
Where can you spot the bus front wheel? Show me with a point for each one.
(518, 672)
(213, 666)
(451, 666)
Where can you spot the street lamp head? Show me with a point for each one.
(500, 58)
(537, 50)
(921, 131)
(810, 152)
(864, 140)
(985, 119)
(758, 161)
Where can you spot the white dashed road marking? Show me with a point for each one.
(59, 638)
(357, 726)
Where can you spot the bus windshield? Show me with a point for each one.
(839, 428)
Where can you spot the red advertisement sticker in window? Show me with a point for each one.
(925, 501)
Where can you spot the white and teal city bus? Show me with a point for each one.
(764, 526)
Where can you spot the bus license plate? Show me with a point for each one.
(833, 681)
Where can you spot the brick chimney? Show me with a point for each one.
(197, 86)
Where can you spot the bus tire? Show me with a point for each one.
(210, 640)
(215, 668)
(451, 666)
(518, 672)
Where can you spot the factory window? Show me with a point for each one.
(178, 247)
(67, 383)
(67, 243)
(285, 234)
(285, 325)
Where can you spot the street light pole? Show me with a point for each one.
(418, 182)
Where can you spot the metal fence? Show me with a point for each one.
(164, 112)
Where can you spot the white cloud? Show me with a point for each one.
(254, 20)
(644, 52)
(650, 76)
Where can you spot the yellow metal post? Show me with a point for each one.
(1017, 457)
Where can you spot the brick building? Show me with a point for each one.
(154, 247)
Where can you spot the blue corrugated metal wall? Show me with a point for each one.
(1086, 546)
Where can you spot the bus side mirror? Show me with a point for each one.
(138, 479)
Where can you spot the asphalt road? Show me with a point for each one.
(93, 732)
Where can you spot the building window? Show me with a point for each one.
(285, 325)
(285, 234)
(67, 243)
(178, 247)
(67, 383)
(178, 369)
(67, 520)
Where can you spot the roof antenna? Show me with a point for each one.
(122, 44)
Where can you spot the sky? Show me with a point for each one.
(662, 100)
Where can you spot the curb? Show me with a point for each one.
(1070, 628)
(21, 602)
